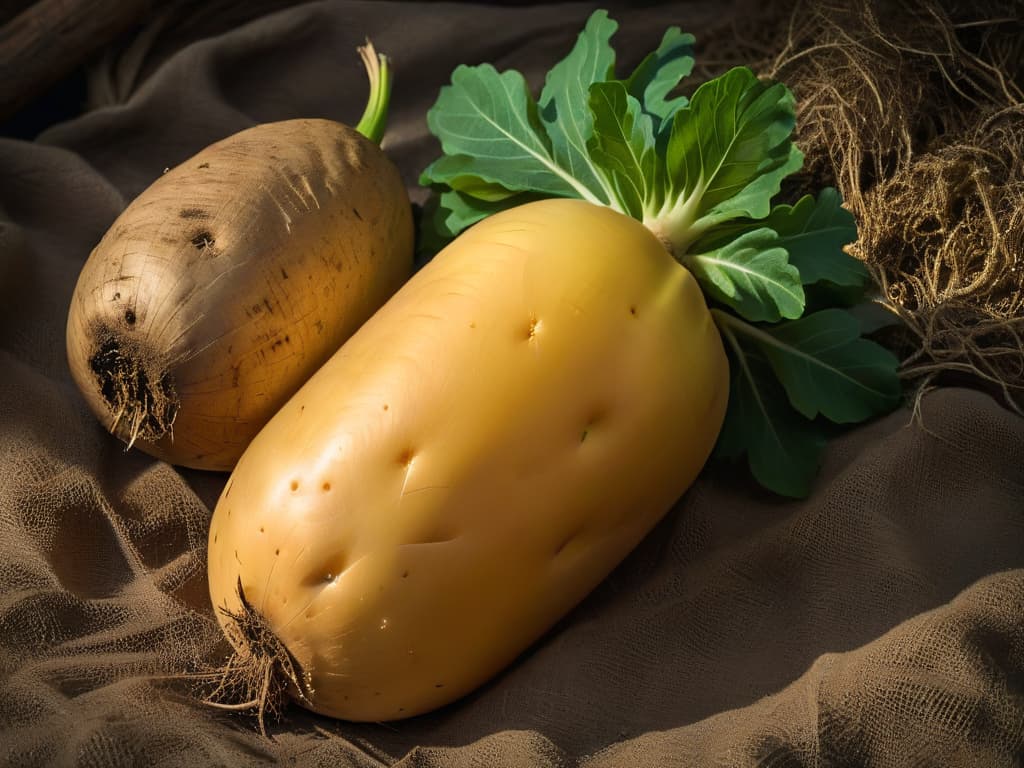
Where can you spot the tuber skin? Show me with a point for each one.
(471, 463)
(233, 277)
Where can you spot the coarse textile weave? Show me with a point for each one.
(878, 623)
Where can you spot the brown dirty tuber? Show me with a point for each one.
(233, 277)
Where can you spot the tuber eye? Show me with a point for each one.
(203, 240)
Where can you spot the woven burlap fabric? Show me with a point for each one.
(878, 623)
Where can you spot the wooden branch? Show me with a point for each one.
(51, 38)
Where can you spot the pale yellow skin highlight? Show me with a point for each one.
(244, 268)
(475, 459)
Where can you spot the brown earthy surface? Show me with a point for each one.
(878, 623)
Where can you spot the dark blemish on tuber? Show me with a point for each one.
(203, 240)
(116, 296)
(129, 316)
(596, 416)
(141, 404)
(204, 165)
(194, 213)
(284, 275)
(355, 212)
(566, 542)
(266, 303)
(405, 574)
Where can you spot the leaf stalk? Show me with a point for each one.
(375, 115)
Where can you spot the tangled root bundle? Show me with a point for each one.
(259, 676)
(915, 111)
(961, 206)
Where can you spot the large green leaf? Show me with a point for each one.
(783, 449)
(564, 100)
(450, 212)
(491, 120)
(622, 145)
(728, 152)
(659, 73)
(874, 315)
(828, 369)
(752, 275)
(814, 232)
(458, 172)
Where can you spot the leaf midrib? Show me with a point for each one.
(726, 265)
(544, 159)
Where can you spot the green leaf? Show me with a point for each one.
(874, 315)
(752, 275)
(814, 232)
(827, 368)
(660, 72)
(431, 233)
(783, 449)
(491, 120)
(563, 100)
(622, 145)
(727, 154)
(452, 211)
(457, 170)
(823, 295)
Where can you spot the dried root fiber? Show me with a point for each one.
(915, 111)
(259, 676)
